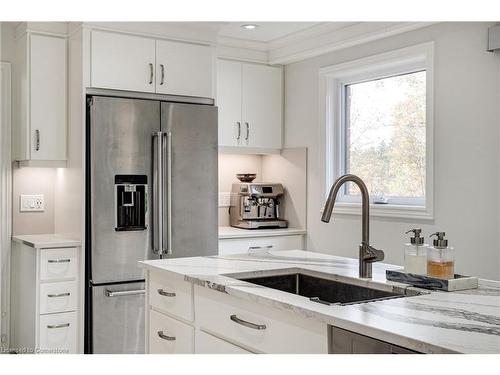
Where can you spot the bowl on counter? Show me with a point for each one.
(246, 177)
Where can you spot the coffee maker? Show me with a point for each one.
(256, 205)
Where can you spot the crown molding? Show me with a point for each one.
(343, 38)
(314, 41)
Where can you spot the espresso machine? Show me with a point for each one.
(256, 205)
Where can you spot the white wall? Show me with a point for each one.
(466, 154)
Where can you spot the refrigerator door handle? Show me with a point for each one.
(167, 189)
(157, 193)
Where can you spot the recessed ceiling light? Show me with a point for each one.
(249, 26)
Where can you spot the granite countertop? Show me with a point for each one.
(42, 241)
(231, 232)
(434, 322)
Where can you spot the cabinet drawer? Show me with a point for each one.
(167, 335)
(243, 245)
(258, 327)
(58, 264)
(208, 344)
(58, 297)
(58, 333)
(172, 296)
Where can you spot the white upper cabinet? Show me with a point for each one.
(261, 108)
(134, 63)
(122, 62)
(250, 100)
(229, 102)
(184, 69)
(40, 131)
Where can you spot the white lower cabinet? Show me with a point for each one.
(169, 336)
(44, 299)
(58, 333)
(224, 324)
(205, 343)
(245, 245)
(263, 329)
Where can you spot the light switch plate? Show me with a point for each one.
(32, 202)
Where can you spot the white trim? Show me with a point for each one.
(338, 39)
(5, 197)
(332, 78)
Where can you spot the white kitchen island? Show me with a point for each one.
(196, 305)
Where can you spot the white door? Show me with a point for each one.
(47, 97)
(184, 69)
(229, 103)
(261, 106)
(122, 62)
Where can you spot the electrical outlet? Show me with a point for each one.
(224, 199)
(32, 202)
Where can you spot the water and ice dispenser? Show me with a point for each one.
(131, 199)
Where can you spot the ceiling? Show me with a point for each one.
(265, 32)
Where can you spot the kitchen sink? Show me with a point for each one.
(326, 291)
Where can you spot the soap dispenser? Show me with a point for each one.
(440, 258)
(416, 253)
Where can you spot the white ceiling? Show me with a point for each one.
(265, 32)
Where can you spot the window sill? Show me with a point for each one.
(385, 210)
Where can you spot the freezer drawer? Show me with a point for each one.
(118, 318)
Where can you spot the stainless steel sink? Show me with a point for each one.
(324, 291)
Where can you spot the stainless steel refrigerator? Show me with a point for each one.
(151, 192)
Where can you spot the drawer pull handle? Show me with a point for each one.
(161, 292)
(260, 247)
(161, 335)
(64, 325)
(120, 293)
(58, 295)
(244, 323)
(59, 260)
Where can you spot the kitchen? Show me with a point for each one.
(250, 187)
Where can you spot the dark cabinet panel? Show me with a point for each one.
(347, 342)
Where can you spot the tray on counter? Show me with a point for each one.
(460, 282)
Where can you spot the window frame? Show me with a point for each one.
(333, 80)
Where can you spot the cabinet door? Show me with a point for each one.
(229, 103)
(347, 342)
(122, 62)
(47, 100)
(262, 106)
(169, 336)
(184, 69)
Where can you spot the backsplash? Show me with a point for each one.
(33, 181)
(288, 168)
(229, 166)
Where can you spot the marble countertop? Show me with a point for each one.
(42, 241)
(231, 232)
(434, 322)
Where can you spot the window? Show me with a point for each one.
(378, 125)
